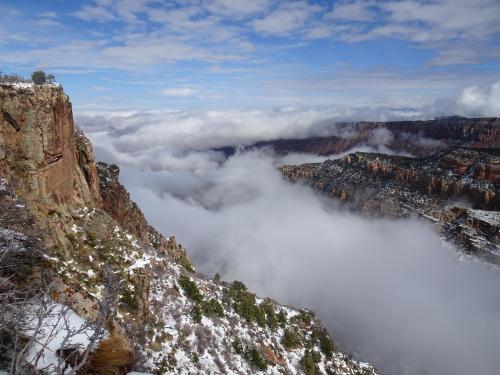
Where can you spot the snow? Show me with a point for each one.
(11, 240)
(59, 326)
(30, 85)
(4, 185)
(491, 217)
(22, 85)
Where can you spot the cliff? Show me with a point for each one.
(458, 189)
(39, 154)
(419, 138)
(117, 203)
(70, 237)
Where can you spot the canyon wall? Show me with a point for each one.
(419, 138)
(459, 189)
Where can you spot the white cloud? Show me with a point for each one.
(203, 129)
(113, 10)
(192, 25)
(387, 290)
(449, 18)
(353, 11)
(48, 15)
(181, 92)
(100, 88)
(151, 50)
(461, 54)
(474, 101)
(238, 220)
(150, 33)
(286, 18)
(9, 11)
(94, 13)
(134, 54)
(238, 8)
(49, 22)
(127, 10)
(459, 29)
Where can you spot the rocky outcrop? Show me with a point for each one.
(476, 231)
(117, 203)
(419, 138)
(106, 263)
(38, 151)
(431, 187)
(87, 169)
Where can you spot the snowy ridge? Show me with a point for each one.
(28, 85)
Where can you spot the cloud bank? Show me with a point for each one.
(474, 101)
(189, 130)
(388, 290)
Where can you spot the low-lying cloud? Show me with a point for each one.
(388, 290)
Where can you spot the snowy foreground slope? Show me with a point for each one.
(84, 273)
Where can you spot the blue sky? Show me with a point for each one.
(153, 54)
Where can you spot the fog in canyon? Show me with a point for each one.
(389, 291)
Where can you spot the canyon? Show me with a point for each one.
(70, 231)
(71, 236)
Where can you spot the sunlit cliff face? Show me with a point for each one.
(389, 291)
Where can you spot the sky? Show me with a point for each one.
(238, 54)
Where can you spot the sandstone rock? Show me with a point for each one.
(38, 147)
(89, 185)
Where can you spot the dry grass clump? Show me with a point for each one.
(113, 356)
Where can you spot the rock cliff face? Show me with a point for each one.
(88, 243)
(38, 148)
(457, 188)
(116, 202)
(419, 138)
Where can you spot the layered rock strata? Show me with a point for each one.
(418, 138)
(458, 189)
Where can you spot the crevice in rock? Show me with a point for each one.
(11, 120)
